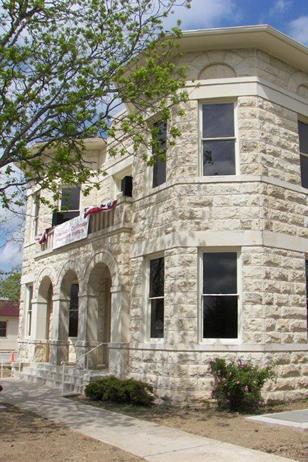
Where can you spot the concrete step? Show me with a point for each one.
(75, 379)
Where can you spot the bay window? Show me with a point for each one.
(218, 139)
(156, 297)
(220, 295)
(303, 148)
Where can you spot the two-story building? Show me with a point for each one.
(203, 255)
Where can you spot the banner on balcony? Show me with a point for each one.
(71, 231)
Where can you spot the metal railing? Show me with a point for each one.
(100, 360)
(80, 361)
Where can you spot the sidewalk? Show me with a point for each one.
(151, 441)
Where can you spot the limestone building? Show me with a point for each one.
(203, 255)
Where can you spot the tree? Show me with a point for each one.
(66, 66)
(10, 286)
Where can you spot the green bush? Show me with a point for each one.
(120, 391)
(238, 384)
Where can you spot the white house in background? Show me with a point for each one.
(9, 318)
(203, 255)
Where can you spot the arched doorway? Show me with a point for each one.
(99, 316)
(69, 317)
(44, 320)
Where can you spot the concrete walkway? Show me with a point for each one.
(151, 441)
(295, 419)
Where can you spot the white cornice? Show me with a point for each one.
(263, 37)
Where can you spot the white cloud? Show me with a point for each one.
(204, 13)
(280, 7)
(298, 28)
(10, 255)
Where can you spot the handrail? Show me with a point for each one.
(88, 352)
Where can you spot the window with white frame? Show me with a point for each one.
(156, 297)
(29, 309)
(159, 148)
(303, 148)
(220, 295)
(218, 139)
(35, 213)
(3, 326)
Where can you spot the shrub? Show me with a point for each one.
(237, 384)
(120, 391)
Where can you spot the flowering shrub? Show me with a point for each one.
(238, 384)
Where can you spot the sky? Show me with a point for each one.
(288, 16)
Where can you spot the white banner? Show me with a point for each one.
(70, 231)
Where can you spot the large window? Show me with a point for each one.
(218, 139)
(73, 311)
(159, 143)
(35, 213)
(156, 297)
(3, 325)
(219, 295)
(69, 206)
(29, 309)
(303, 147)
(70, 198)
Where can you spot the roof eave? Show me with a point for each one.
(263, 37)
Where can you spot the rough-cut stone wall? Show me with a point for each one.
(182, 376)
(262, 213)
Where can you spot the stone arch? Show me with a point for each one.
(298, 83)
(67, 267)
(217, 71)
(45, 273)
(107, 259)
(302, 90)
(232, 61)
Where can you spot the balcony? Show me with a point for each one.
(114, 219)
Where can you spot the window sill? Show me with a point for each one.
(220, 342)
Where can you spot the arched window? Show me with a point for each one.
(73, 311)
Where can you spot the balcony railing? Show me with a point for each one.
(120, 216)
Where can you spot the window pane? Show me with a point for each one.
(218, 120)
(159, 172)
(70, 198)
(159, 134)
(30, 296)
(73, 311)
(157, 318)
(220, 273)
(219, 157)
(220, 317)
(157, 277)
(304, 170)
(303, 137)
(73, 324)
(2, 328)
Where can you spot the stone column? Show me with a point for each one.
(38, 330)
(82, 344)
(58, 344)
(118, 353)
